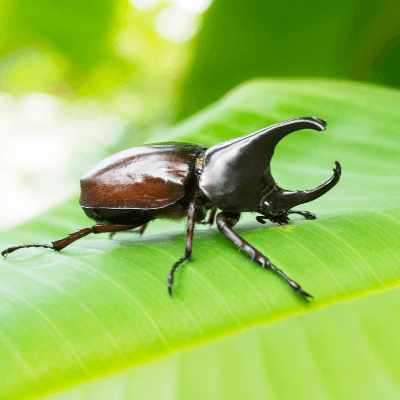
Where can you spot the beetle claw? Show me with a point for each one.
(9, 250)
(308, 215)
(304, 293)
(170, 282)
(297, 288)
(338, 169)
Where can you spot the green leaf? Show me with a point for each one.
(101, 306)
(337, 40)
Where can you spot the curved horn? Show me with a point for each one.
(258, 147)
(289, 199)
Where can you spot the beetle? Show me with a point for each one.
(177, 179)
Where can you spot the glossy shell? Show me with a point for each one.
(237, 171)
(148, 177)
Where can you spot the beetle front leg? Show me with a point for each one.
(188, 250)
(225, 222)
(305, 214)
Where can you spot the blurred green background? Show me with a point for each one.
(140, 59)
(82, 79)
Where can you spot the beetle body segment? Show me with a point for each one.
(140, 178)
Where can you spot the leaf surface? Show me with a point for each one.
(101, 306)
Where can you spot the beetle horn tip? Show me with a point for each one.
(321, 122)
(338, 169)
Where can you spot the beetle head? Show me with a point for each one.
(236, 174)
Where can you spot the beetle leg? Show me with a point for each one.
(305, 214)
(188, 250)
(261, 219)
(62, 243)
(225, 222)
(211, 217)
(140, 231)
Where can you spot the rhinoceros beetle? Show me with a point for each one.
(173, 180)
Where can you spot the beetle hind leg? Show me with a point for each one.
(62, 243)
(225, 222)
(140, 231)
